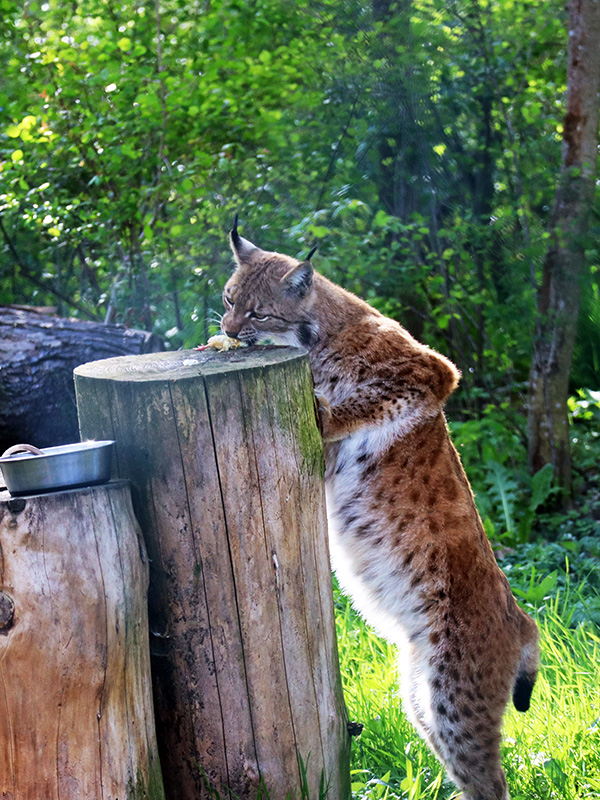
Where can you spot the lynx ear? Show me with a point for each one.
(297, 282)
(242, 248)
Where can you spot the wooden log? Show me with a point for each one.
(227, 465)
(38, 353)
(76, 716)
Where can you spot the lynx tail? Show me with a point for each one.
(528, 665)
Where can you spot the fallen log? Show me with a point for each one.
(227, 466)
(38, 353)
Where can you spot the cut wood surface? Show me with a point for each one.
(76, 717)
(227, 465)
(38, 353)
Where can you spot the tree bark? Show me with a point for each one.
(227, 465)
(38, 354)
(559, 296)
(76, 716)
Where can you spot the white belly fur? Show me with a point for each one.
(371, 575)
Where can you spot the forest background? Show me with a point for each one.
(419, 143)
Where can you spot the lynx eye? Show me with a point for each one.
(259, 317)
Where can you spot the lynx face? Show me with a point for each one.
(268, 298)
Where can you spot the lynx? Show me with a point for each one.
(407, 543)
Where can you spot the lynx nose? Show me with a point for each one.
(231, 329)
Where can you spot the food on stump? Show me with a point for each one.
(221, 341)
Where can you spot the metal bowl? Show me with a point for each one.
(52, 468)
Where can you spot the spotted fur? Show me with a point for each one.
(407, 543)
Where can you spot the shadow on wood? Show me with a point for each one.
(227, 465)
(76, 717)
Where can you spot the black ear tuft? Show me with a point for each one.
(297, 282)
(242, 248)
(312, 252)
(233, 233)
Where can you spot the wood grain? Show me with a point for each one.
(227, 465)
(76, 715)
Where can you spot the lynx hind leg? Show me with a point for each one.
(470, 751)
(461, 729)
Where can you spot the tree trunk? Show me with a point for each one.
(227, 464)
(38, 354)
(76, 717)
(558, 302)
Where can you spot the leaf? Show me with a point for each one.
(541, 486)
(149, 101)
(537, 592)
(488, 527)
(381, 219)
(124, 43)
(555, 772)
(16, 155)
(204, 159)
(505, 488)
(546, 585)
(525, 524)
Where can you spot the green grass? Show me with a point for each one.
(552, 751)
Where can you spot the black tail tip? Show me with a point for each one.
(522, 692)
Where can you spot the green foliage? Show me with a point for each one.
(494, 458)
(585, 405)
(122, 139)
(513, 504)
(418, 143)
(537, 591)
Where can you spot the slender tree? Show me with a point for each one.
(564, 264)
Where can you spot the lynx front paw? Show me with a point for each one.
(323, 413)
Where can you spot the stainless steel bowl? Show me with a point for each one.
(62, 467)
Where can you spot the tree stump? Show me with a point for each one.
(76, 716)
(227, 465)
